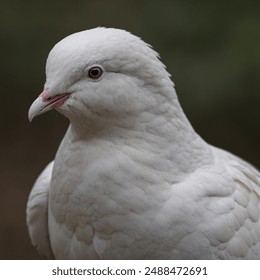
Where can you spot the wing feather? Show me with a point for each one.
(37, 213)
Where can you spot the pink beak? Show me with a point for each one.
(46, 102)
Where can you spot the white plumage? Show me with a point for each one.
(131, 178)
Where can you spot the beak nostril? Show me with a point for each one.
(46, 96)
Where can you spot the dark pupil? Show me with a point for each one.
(94, 72)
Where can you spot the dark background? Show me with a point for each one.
(211, 48)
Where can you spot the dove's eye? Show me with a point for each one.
(95, 73)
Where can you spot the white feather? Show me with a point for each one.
(37, 212)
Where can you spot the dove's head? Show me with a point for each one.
(102, 72)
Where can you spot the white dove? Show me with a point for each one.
(131, 178)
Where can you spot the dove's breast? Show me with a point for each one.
(106, 201)
(110, 201)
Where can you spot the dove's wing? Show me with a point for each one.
(37, 212)
(241, 223)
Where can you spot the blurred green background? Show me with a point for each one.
(211, 48)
